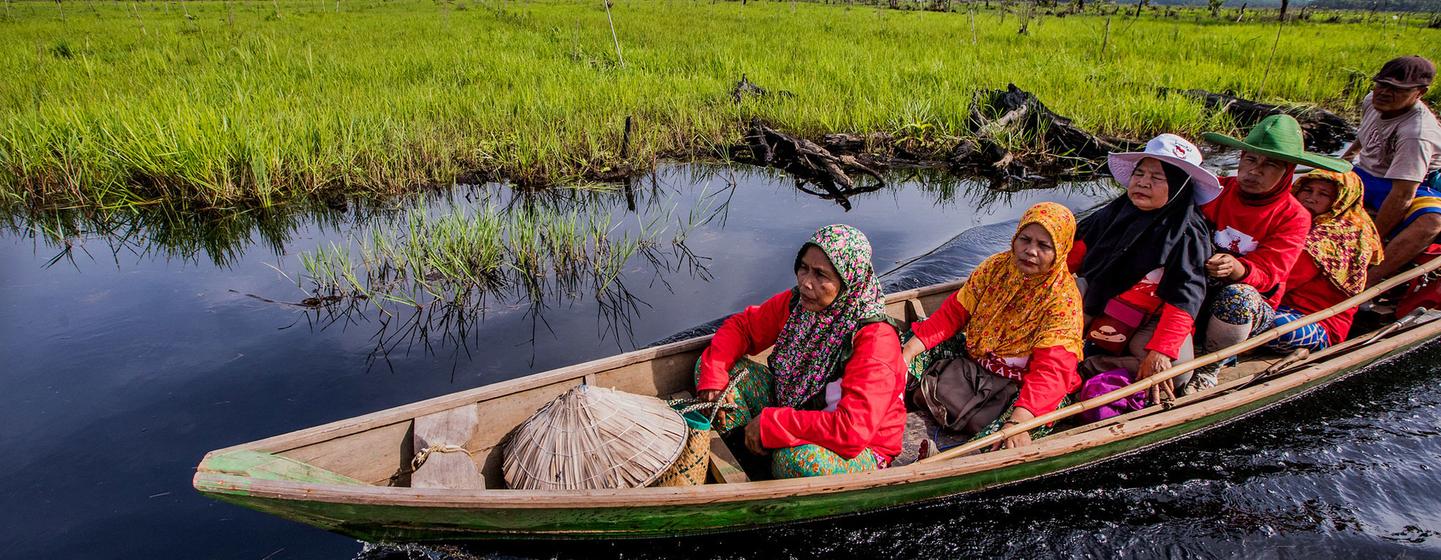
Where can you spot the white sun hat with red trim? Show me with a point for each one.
(1176, 151)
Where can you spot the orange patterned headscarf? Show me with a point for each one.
(1344, 241)
(1012, 314)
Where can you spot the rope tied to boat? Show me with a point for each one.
(424, 453)
(693, 404)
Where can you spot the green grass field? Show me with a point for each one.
(219, 105)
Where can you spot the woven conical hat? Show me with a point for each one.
(593, 437)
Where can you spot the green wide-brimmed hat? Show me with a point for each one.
(1279, 137)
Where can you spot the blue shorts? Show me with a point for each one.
(1427, 201)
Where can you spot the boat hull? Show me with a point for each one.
(410, 518)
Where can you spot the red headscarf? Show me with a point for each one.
(1282, 189)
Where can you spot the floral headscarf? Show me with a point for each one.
(1012, 314)
(812, 344)
(1343, 241)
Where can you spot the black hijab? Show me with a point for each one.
(1124, 243)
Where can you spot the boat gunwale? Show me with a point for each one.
(769, 489)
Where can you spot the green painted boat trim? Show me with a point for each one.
(268, 466)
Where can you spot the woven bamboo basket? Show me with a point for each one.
(690, 469)
(592, 438)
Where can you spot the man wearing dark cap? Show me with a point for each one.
(1399, 144)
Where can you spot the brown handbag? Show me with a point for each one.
(962, 396)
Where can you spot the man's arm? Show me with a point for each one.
(1397, 203)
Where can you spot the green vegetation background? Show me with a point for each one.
(245, 104)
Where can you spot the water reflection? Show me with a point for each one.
(429, 274)
(220, 237)
(421, 273)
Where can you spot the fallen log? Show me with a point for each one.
(1054, 133)
(1053, 150)
(1326, 132)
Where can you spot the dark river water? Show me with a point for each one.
(148, 344)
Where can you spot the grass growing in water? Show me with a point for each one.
(460, 256)
(438, 269)
(222, 104)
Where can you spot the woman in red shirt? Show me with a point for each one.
(1020, 317)
(1260, 231)
(830, 399)
(1342, 244)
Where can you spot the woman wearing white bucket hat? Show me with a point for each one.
(1142, 257)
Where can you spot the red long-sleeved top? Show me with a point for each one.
(870, 413)
(1173, 326)
(1308, 291)
(1267, 238)
(1050, 371)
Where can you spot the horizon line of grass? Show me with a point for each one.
(253, 104)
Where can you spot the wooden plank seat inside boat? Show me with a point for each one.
(724, 467)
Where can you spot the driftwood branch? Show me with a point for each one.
(811, 163)
(746, 88)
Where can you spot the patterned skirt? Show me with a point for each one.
(1241, 304)
(754, 393)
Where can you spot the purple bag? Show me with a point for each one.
(1104, 383)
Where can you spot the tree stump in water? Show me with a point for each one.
(1325, 131)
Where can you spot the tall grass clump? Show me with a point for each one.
(243, 104)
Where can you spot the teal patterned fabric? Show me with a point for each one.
(752, 394)
(814, 460)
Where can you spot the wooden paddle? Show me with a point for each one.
(1178, 369)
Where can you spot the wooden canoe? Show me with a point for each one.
(338, 476)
